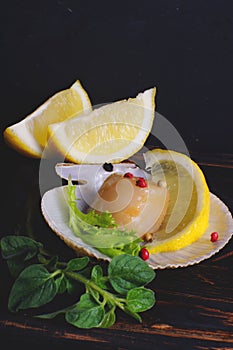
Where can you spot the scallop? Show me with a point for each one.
(141, 209)
(55, 209)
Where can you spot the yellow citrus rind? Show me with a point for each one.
(110, 133)
(29, 136)
(198, 222)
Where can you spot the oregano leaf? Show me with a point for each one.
(12, 246)
(34, 287)
(77, 264)
(109, 319)
(127, 272)
(140, 299)
(98, 278)
(86, 314)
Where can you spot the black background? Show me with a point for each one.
(117, 49)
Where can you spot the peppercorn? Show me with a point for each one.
(108, 167)
(214, 236)
(129, 175)
(141, 182)
(144, 254)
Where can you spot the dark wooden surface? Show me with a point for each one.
(194, 308)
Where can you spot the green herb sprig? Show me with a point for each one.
(40, 278)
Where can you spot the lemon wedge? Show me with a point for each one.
(110, 133)
(188, 210)
(29, 136)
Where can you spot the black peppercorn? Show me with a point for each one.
(108, 167)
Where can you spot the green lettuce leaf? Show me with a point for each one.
(100, 230)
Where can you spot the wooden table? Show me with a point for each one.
(194, 308)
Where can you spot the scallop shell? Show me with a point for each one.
(56, 213)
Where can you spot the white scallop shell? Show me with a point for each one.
(56, 213)
(220, 220)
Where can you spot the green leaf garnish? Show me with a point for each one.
(123, 285)
(100, 230)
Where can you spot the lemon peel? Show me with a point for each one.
(110, 133)
(189, 200)
(29, 136)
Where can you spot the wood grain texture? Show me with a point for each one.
(194, 305)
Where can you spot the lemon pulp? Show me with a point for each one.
(110, 133)
(188, 210)
(29, 136)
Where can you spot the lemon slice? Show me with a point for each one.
(29, 136)
(110, 133)
(55, 210)
(187, 215)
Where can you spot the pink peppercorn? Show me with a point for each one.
(214, 236)
(144, 254)
(129, 175)
(141, 182)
